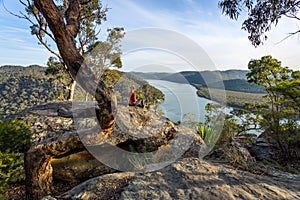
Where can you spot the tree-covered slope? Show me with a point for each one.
(239, 85)
(23, 87)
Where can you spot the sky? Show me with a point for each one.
(220, 40)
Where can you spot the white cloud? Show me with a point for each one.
(25, 56)
(9, 29)
(220, 37)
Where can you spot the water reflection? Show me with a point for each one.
(180, 99)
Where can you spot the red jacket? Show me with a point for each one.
(132, 99)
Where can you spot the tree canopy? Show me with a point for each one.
(279, 112)
(84, 26)
(262, 15)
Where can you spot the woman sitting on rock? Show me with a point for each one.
(133, 101)
(132, 97)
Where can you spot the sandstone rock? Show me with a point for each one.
(104, 187)
(265, 148)
(47, 122)
(48, 198)
(78, 167)
(192, 178)
(187, 178)
(234, 152)
(137, 130)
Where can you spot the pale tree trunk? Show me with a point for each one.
(86, 96)
(37, 159)
(71, 89)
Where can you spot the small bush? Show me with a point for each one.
(202, 130)
(15, 138)
(11, 171)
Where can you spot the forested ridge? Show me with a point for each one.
(23, 87)
(233, 80)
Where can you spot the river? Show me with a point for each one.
(180, 99)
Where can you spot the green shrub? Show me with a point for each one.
(11, 171)
(15, 138)
(202, 130)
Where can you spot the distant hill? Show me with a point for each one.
(234, 74)
(239, 85)
(233, 80)
(226, 75)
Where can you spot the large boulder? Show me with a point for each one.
(137, 130)
(49, 120)
(265, 148)
(187, 178)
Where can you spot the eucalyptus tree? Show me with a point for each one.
(71, 25)
(85, 28)
(279, 112)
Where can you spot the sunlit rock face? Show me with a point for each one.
(138, 130)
